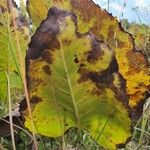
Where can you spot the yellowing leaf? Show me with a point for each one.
(83, 72)
(105, 27)
(38, 9)
(74, 82)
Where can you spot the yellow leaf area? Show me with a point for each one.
(3, 4)
(38, 9)
(133, 68)
(65, 85)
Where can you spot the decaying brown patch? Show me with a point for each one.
(35, 99)
(94, 55)
(104, 76)
(41, 42)
(120, 44)
(137, 62)
(120, 146)
(76, 60)
(87, 9)
(47, 56)
(84, 74)
(47, 69)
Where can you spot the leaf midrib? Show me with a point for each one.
(70, 86)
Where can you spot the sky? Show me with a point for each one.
(133, 10)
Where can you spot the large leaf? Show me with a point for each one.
(132, 65)
(9, 57)
(82, 72)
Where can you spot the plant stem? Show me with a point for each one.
(10, 112)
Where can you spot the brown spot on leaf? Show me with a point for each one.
(96, 52)
(82, 65)
(47, 56)
(40, 42)
(83, 75)
(105, 76)
(35, 99)
(47, 69)
(122, 145)
(23, 105)
(76, 59)
(120, 43)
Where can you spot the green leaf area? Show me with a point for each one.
(9, 55)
